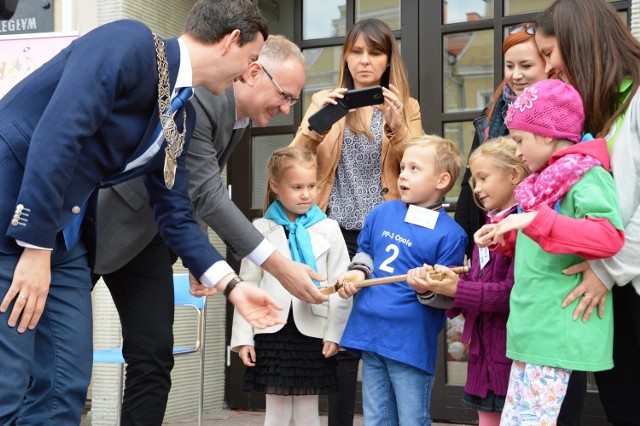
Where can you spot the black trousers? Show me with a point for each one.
(142, 291)
(619, 387)
(342, 404)
(574, 400)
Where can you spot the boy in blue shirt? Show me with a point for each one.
(396, 333)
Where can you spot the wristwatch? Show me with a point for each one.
(231, 285)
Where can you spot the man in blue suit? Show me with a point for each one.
(134, 261)
(84, 120)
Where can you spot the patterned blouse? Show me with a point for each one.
(356, 189)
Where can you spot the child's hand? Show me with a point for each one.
(346, 280)
(415, 279)
(247, 355)
(485, 236)
(421, 281)
(514, 222)
(448, 286)
(329, 349)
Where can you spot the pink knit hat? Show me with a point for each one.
(549, 108)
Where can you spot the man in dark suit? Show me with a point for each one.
(86, 120)
(134, 261)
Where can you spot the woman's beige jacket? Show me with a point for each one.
(328, 149)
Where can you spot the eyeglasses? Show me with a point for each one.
(285, 96)
(529, 28)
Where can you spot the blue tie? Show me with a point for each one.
(177, 103)
(156, 137)
(71, 232)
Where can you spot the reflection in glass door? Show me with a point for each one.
(457, 353)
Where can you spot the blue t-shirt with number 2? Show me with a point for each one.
(388, 319)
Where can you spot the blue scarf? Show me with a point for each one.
(299, 239)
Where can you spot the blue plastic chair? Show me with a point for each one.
(182, 300)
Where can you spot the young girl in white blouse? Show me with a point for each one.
(294, 363)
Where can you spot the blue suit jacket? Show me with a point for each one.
(73, 125)
(126, 220)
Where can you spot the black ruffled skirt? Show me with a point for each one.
(290, 363)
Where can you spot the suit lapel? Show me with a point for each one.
(148, 134)
(172, 52)
(227, 141)
(236, 136)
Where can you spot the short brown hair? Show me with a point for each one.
(209, 21)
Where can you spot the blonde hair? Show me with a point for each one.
(448, 158)
(282, 160)
(502, 150)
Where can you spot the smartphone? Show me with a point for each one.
(326, 116)
(366, 96)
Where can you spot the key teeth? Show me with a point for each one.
(330, 289)
(327, 290)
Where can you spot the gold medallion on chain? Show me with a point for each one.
(174, 139)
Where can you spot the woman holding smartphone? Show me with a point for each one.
(359, 156)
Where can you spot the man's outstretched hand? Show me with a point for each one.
(256, 306)
(295, 277)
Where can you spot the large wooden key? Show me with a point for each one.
(330, 289)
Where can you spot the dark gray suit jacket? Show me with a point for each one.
(127, 224)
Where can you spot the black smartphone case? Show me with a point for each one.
(326, 116)
(366, 96)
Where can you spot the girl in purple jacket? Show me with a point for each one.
(482, 295)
